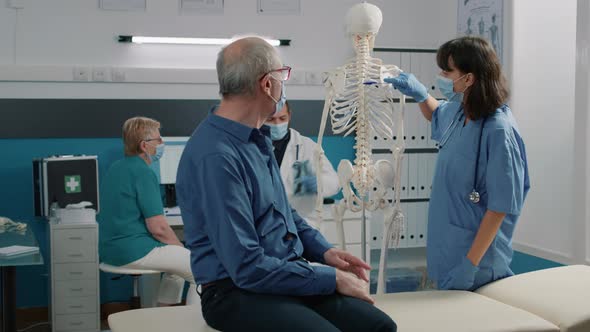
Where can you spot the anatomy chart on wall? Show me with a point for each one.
(481, 18)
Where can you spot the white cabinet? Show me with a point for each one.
(352, 231)
(74, 277)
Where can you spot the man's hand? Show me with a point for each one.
(344, 261)
(348, 284)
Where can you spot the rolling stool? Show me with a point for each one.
(135, 274)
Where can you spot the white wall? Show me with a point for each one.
(581, 146)
(543, 86)
(68, 33)
(582, 135)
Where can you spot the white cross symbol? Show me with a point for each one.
(72, 184)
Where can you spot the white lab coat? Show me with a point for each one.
(305, 205)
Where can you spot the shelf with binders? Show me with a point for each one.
(414, 234)
(418, 163)
(420, 62)
(416, 184)
(417, 134)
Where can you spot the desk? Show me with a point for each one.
(173, 216)
(174, 221)
(8, 274)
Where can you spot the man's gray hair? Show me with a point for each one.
(242, 63)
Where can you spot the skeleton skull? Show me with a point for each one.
(363, 19)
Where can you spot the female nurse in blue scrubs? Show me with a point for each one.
(481, 177)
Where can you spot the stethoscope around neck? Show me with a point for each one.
(474, 196)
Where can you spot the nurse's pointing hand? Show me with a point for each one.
(409, 85)
(345, 261)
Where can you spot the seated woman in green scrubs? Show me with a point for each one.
(133, 230)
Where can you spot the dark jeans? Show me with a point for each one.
(228, 308)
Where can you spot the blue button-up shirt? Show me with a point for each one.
(237, 220)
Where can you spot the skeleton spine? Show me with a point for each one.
(364, 165)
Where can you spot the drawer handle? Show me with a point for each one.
(75, 238)
(76, 289)
(75, 323)
(75, 273)
(75, 255)
(76, 306)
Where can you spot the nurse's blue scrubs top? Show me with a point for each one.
(502, 181)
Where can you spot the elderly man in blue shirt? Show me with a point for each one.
(250, 251)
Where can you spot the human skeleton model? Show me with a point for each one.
(358, 101)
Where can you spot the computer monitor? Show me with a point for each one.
(171, 158)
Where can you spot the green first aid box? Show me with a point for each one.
(65, 180)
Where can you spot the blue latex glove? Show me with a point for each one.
(307, 185)
(409, 85)
(461, 276)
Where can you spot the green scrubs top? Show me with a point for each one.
(130, 193)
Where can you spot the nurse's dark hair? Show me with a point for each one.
(288, 106)
(476, 55)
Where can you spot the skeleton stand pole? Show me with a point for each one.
(364, 234)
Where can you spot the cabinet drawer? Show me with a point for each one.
(78, 271)
(74, 245)
(352, 231)
(76, 288)
(75, 305)
(76, 322)
(348, 215)
(356, 250)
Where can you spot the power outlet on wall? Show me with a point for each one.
(118, 75)
(297, 78)
(100, 74)
(313, 78)
(16, 4)
(80, 74)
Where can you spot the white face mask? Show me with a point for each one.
(278, 131)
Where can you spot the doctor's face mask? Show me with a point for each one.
(279, 123)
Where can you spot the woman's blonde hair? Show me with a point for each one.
(136, 130)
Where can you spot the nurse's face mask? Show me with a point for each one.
(159, 148)
(447, 88)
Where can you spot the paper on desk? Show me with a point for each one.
(17, 250)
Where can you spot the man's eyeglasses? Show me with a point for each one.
(285, 73)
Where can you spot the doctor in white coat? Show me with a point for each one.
(294, 154)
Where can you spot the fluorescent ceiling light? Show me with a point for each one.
(191, 41)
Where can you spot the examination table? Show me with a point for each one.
(556, 299)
